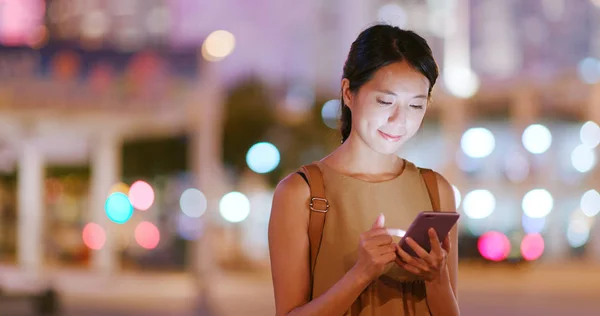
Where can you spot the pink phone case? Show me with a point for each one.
(442, 222)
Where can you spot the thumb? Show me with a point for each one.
(379, 222)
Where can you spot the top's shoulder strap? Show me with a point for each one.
(319, 206)
(432, 188)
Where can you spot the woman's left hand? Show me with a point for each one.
(429, 265)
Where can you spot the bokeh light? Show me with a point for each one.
(533, 225)
(532, 247)
(578, 232)
(478, 142)
(234, 207)
(147, 235)
(583, 158)
(462, 82)
(119, 187)
(479, 204)
(193, 202)
(590, 203)
(457, 196)
(537, 203)
(537, 138)
(141, 195)
(590, 134)
(393, 14)
(494, 246)
(94, 236)
(118, 208)
(218, 45)
(263, 157)
(589, 70)
(330, 113)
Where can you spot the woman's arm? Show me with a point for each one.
(441, 293)
(290, 264)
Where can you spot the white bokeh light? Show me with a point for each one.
(461, 81)
(478, 142)
(479, 204)
(589, 70)
(583, 158)
(193, 202)
(234, 207)
(533, 225)
(263, 157)
(218, 45)
(331, 113)
(590, 203)
(590, 134)
(393, 14)
(578, 232)
(537, 138)
(537, 203)
(457, 196)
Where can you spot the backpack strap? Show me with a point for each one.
(319, 206)
(432, 188)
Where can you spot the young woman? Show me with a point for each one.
(360, 270)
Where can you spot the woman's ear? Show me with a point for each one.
(346, 93)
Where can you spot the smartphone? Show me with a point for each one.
(442, 222)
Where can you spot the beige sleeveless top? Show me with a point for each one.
(354, 206)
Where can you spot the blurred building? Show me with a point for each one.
(96, 95)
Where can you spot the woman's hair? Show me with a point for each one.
(379, 46)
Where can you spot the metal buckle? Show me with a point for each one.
(312, 205)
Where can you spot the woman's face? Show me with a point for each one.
(388, 110)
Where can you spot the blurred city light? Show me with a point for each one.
(537, 203)
(263, 157)
(147, 235)
(193, 203)
(590, 203)
(537, 139)
(578, 232)
(94, 236)
(234, 207)
(479, 204)
(141, 195)
(589, 70)
(590, 134)
(461, 81)
(393, 14)
(478, 142)
(583, 158)
(457, 196)
(494, 246)
(533, 225)
(331, 112)
(118, 208)
(218, 45)
(532, 246)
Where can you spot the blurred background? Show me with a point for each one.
(141, 140)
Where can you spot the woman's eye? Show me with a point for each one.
(384, 102)
(416, 106)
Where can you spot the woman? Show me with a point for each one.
(360, 270)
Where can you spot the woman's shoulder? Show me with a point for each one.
(293, 187)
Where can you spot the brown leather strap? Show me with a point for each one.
(432, 188)
(319, 206)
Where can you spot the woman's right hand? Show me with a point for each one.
(375, 250)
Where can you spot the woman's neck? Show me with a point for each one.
(356, 157)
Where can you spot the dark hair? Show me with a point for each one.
(379, 46)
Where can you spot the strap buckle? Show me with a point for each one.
(320, 210)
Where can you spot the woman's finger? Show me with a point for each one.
(422, 253)
(436, 246)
